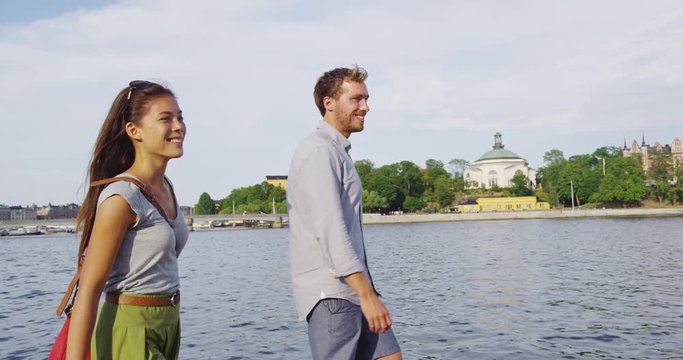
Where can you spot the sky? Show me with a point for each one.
(444, 77)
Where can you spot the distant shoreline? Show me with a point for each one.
(370, 219)
(520, 215)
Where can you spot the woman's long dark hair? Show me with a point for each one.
(113, 152)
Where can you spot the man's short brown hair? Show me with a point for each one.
(329, 84)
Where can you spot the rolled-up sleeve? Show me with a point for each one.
(320, 185)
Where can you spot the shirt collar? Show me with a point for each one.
(335, 135)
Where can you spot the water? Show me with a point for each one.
(526, 289)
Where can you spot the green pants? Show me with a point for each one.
(136, 332)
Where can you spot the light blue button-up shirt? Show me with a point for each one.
(325, 220)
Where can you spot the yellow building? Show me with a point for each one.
(518, 203)
(277, 180)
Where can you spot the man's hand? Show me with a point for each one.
(372, 307)
(376, 313)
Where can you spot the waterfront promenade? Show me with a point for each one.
(369, 219)
(518, 215)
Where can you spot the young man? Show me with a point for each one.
(333, 289)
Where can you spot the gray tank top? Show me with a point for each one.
(147, 262)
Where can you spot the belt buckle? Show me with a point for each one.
(173, 297)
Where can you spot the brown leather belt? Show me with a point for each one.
(124, 299)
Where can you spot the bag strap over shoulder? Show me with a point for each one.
(73, 284)
(140, 184)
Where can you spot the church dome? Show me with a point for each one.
(498, 151)
(499, 154)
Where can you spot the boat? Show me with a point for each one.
(25, 230)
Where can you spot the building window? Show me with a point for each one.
(493, 178)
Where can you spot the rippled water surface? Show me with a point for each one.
(525, 289)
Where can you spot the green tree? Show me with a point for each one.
(413, 203)
(458, 167)
(520, 185)
(677, 188)
(412, 183)
(254, 199)
(281, 207)
(623, 183)
(364, 168)
(443, 192)
(275, 193)
(658, 179)
(607, 152)
(603, 154)
(396, 181)
(553, 156)
(278, 196)
(578, 174)
(549, 175)
(373, 202)
(205, 205)
(459, 183)
(581, 174)
(434, 169)
(386, 182)
(251, 208)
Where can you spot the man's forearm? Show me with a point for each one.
(360, 284)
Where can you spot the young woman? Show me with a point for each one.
(133, 233)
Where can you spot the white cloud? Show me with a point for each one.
(444, 76)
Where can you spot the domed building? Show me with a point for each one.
(497, 167)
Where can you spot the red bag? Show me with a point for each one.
(58, 351)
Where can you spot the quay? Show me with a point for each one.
(261, 221)
(196, 222)
(520, 215)
(275, 221)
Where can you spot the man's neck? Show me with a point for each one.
(331, 121)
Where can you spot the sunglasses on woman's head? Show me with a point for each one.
(137, 85)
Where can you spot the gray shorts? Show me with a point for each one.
(337, 330)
